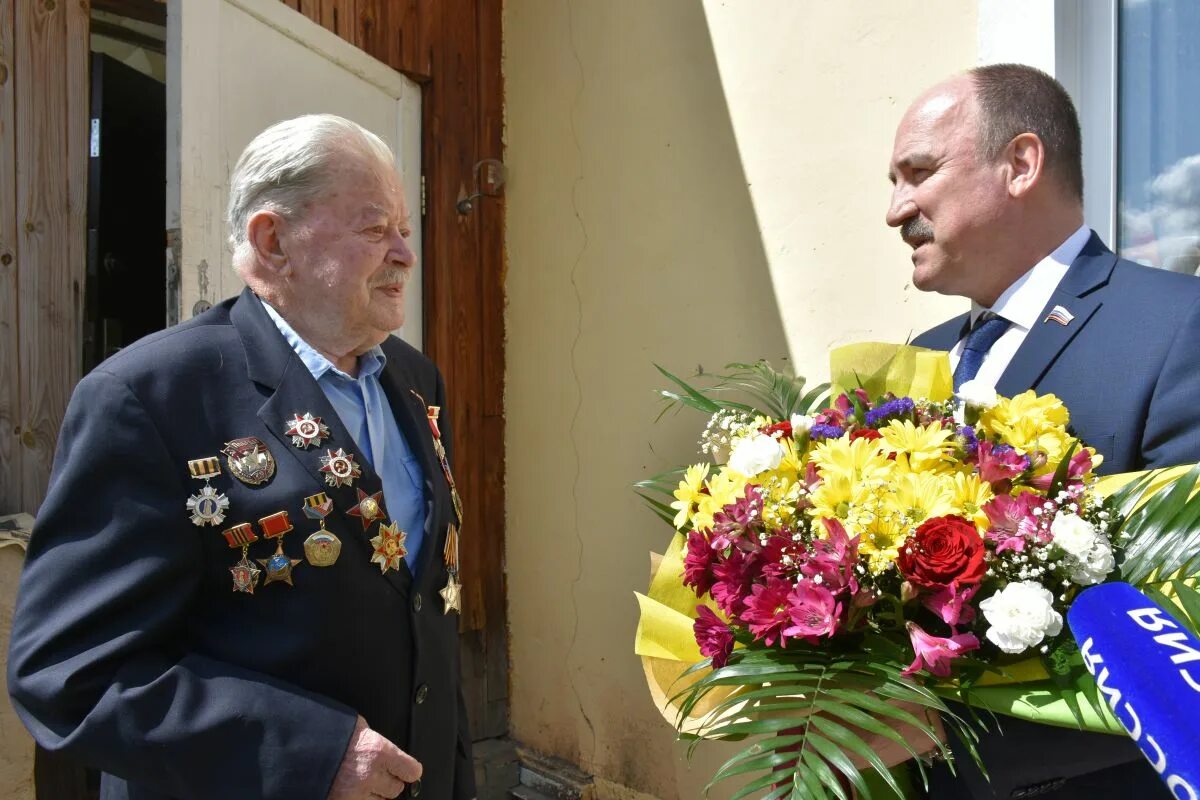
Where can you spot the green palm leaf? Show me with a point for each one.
(1161, 537)
(808, 713)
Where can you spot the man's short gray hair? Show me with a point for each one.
(289, 164)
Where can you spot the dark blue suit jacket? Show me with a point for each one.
(1127, 369)
(1126, 366)
(129, 647)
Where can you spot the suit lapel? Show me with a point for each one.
(1081, 293)
(272, 363)
(411, 415)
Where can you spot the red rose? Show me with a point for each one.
(784, 429)
(943, 550)
(865, 433)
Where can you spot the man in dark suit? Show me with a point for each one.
(988, 192)
(243, 580)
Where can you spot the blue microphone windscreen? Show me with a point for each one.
(1147, 667)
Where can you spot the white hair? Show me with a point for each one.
(289, 165)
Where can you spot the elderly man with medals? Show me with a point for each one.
(244, 578)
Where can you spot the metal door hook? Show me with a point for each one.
(494, 179)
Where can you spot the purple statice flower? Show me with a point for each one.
(818, 432)
(893, 408)
(968, 441)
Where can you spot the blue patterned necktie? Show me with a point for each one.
(988, 328)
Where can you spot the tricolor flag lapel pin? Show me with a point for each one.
(1059, 315)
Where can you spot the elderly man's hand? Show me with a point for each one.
(373, 768)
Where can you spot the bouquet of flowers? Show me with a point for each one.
(857, 557)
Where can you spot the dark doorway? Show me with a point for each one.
(126, 265)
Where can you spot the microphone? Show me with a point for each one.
(1147, 668)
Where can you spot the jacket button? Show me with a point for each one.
(422, 693)
(417, 603)
(414, 789)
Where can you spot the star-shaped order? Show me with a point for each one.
(369, 508)
(208, 507)
(339, 468)
(245, 576)
(389, 547)
(279, 568)
(307, 430)
(452, 594)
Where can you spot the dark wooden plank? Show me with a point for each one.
(59, 777)
(10, 387)
(397, 32)
(143, 10)
(492, 263)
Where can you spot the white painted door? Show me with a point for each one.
(233, 68)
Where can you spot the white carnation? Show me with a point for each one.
(1090, 556)
(1021, 615)
(1095, 567)
(1074, 534)
(755, 454)
(801, 424)
(978, 394)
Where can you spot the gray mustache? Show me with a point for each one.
(916, 230)
(390, 276)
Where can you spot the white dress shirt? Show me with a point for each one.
(1021, 304)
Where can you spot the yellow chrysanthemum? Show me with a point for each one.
(861, 459)
(969, 494)
(723, 488)
(837, 497)
(919, 448)
(881, 541)
(916, 496)
(1031, 424)
(689, 493)
(791, 466)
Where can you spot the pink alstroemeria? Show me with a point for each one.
(1081, 464)
(934, 653)
(998, 463)
(766, 610)
(1012, 520)
(713, 635)
(952, 604)
(734, 524)
(830, 561)
(814, 612)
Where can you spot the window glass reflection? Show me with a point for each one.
(1158, 162)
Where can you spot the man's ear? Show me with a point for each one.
(1024, 159)
(264, 232)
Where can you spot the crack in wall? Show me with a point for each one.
(573, 430)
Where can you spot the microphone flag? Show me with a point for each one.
(1147, 667)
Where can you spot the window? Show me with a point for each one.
(1158, 133)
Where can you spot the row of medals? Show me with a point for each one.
(251, 462)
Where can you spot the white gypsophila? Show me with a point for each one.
(1021, 615)
(1074, 534)
(1094, 568)
(977, 394)
(801, 423)
(755, 454)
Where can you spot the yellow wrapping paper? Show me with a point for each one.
(665, 640)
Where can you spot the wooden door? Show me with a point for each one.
(235, 67)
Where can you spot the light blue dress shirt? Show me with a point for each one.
(367, 415)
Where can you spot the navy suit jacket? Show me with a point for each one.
(131, 650)
(1126, 366)
(1127, 369)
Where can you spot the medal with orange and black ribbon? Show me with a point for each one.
(452, 592)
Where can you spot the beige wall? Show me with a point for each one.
(691, 183)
